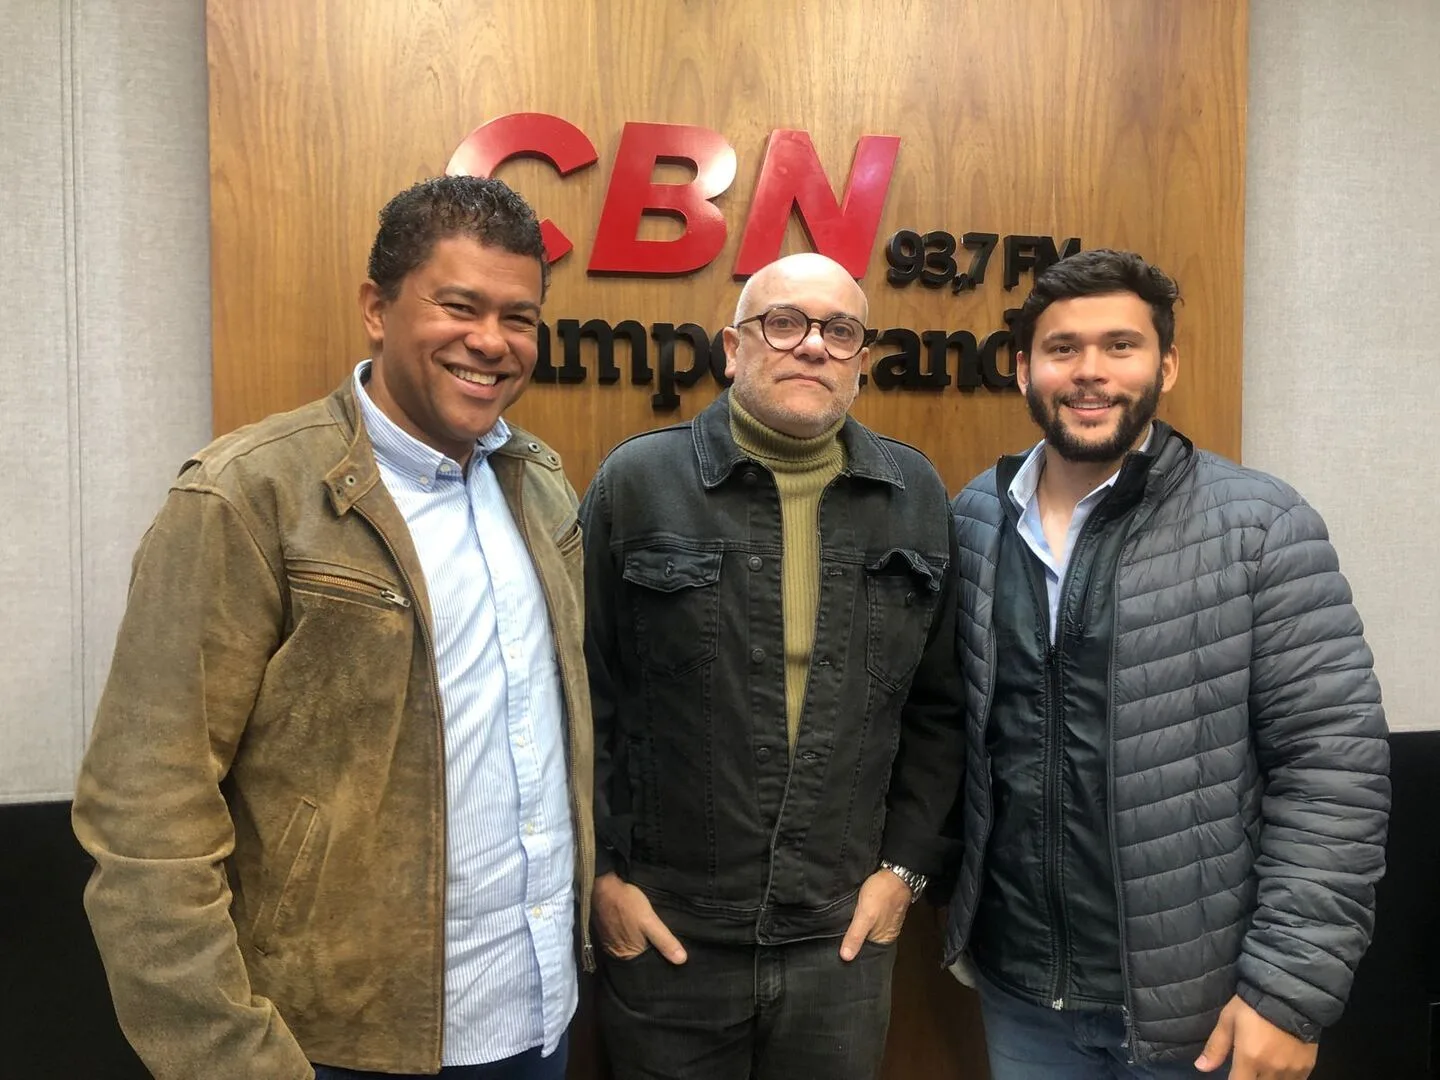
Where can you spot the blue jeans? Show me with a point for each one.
(1031, 1042)
(527, 1066)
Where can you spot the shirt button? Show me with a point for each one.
(756, 562)
(762, 753)
(757, 656)
(425, 480)
(537, 911)
(529, 828)
(521, 740)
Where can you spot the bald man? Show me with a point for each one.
(770, 621)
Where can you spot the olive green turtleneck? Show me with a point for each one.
(801, 468)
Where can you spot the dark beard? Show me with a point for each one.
(1135, 416)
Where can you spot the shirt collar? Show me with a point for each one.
(1022, 489)
(401, 452)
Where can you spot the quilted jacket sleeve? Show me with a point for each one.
(1320, 737)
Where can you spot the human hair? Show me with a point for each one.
(1101, 272)
(414, 221)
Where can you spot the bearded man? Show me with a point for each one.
(1176, 793)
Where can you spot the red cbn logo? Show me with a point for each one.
(791, 179)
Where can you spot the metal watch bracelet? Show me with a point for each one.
(915, 880)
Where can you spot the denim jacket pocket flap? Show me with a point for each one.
(898, 560)
(669, 570)
(902, 589)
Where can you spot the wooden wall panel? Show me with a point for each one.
(1121, 123)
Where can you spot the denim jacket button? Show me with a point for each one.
(762, 753)
(756, 562)
(748, 476)
(757, 655)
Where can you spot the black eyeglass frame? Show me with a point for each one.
(809, 322)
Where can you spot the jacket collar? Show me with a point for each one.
(866, 455)
(356, 473)
(1146, 474)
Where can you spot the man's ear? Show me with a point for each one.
(372, 312)
(1169, 369)
(730, 338)
(862, 365)
(1022, 372)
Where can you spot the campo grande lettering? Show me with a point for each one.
(921, 362)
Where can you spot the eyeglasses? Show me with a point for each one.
(785, 327)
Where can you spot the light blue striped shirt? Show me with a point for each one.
(1024, 493)
(510, 981)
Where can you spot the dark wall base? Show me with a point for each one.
(55, 1015)
(1387, 1031)
(56, 1020)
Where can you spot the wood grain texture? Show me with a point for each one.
(1121, 123)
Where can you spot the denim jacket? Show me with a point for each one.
(264, 792)
(699, 801)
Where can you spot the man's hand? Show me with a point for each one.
(627, 924)
(1261, 1050)
(879, 913)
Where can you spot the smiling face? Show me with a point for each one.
(457, 345)
(803, 390)
(1094, 375)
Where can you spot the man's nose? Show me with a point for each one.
(812, 345)
(1088, 366)
(485, 339)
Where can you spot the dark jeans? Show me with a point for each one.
(527, 1066)
(748, 1012)
(1030, 1042)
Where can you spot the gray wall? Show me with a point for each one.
(1342, 303)
(105, 384)
(104, 365)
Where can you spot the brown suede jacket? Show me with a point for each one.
(264, 791)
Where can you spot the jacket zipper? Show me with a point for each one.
(1055, 756)
(353, 584)
(440, 768)
(1127, 1014)
(582, 842)
(1054, 830)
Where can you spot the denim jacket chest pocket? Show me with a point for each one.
(675, 604)
(902, 587)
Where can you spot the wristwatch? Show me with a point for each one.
(912, 878)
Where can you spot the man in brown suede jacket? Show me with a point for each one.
(339, 786)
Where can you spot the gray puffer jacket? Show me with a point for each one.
(1248, 768)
